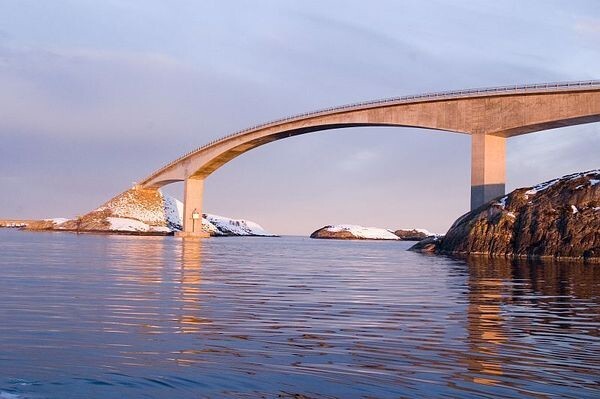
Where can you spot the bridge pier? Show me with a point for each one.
(488, 168)
(192, 205)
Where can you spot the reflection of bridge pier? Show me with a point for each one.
(190, 292)
(490, 116)
(485, 322)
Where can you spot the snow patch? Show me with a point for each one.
(373, 233)
(221, 225)
(574, 209)
(126, 224)
(160, 229)
(541, 187)
(173, 212)
(502, 201)
(544, 186)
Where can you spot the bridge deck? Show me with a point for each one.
(444, 95)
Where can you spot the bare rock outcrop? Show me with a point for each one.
(412, 234)
(427, 245)
(557, 219)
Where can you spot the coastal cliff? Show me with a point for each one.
(147, 212)
(557, 219)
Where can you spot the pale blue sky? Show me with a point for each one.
(95, 95)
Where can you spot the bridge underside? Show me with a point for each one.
(490, 119)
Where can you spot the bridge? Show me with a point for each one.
(490, 116)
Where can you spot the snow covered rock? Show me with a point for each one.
(148, 211)
(137, 210)
(556, 219)
(222, 226)
(354, 232)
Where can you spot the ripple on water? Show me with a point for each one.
(245, 317)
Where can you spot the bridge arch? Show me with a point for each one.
(490, 116)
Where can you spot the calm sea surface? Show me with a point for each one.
(148, 317)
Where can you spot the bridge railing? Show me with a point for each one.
(399, 100)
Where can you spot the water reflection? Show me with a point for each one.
(522, 314)
(158, 317)
(485, 323)
(190, 319)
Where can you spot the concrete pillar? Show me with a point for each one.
(192, 201)
(488, 168)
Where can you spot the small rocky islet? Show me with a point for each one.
(355, 232)
(557, 219)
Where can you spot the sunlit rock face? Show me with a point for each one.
(147, 211)
(558, 219)
(137, 210)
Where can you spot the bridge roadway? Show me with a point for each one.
(490, 116)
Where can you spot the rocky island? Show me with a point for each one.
(146, 212)
(558, 219)
(355, 232)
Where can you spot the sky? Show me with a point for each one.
(96, 95)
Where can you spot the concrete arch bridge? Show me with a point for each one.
(490, 116)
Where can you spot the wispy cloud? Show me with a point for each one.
(102, 93)
(588, 26)
(358, 160)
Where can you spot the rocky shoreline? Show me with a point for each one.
(555, 220)
(558, 219)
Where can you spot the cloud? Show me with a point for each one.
(588, 26)
(80, 91)
(358, 160)
(70, 92)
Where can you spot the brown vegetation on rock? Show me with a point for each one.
(337, 235)
(40, 225)
(144, 205)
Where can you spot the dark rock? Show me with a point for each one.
(427, 245)
(557, 219)
(411, 235)
(338, 235)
